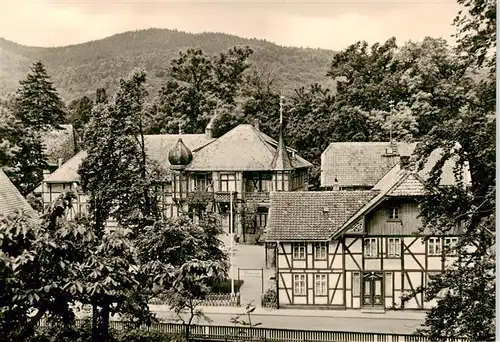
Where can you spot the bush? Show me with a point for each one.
(270, 299)
(225, 286)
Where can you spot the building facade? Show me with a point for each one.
(353, 248)
(239, 169)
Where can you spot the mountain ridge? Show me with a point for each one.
(80, 69)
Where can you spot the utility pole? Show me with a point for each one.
(231, 236)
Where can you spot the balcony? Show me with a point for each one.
(257, 197)
(224, 196)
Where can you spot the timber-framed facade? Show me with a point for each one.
(357, 249)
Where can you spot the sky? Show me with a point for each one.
(330, 24)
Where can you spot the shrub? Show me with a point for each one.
(224, 286)
(270, 299)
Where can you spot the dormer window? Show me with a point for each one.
(393, 214)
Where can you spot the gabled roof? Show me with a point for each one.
(243, 148)
(313, 216)
(365, 163)
(11, 200)
(59, 143)
(157, 148)
(396, 183)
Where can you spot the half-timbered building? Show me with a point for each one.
(356, 249)
(244, 163)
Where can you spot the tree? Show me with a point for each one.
(197, 85)
(35, 108)
(115, 172)
(38, 104)
(465, 133)
(476, 36)
(80, 111)
(181, 259)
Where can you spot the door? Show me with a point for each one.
(372, 289)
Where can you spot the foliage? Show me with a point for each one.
(224, 286)
(270, 298)
(249, 309)
(476, 36)
(35, 108)
(79, 69)
(196, 86)
(464, 131)
(115, 172)
(181, 259)
(37, 103)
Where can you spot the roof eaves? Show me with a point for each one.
(369, 206)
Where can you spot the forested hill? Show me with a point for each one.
(78, 70)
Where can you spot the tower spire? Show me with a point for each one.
(281, 110)
(281, 160)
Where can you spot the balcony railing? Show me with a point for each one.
(257, 197)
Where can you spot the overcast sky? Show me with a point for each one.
(325, 24)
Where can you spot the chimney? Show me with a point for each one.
(336, 186)
(46, 173)
(59, 162)
(210, 127)
(256, 124)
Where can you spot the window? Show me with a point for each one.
(449, 244)
(203, 181)
(279, 181)
(393, 213)
(299, 284)
(227, 182)
(356, 284)
(393, 248)
(320, 251)
(434, 246)
(388, 284)
(371, 248)
(299, 250)
(320, 288)
(257, 182)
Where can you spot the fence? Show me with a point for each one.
(236, 333)
(212, 299)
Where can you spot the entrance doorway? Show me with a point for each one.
(373, 290)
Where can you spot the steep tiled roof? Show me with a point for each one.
(59, 143)
(411, 186)
(296, 216)
(11, 200)
(157, 147)
(281, 160)
(241, 149)
(365, 163)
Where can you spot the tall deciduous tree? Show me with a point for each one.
(115, 172)
(465, 132)
(197, 84)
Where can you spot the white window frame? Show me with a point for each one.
(320, 251)
(229, 180)
(450, 242)
(321, 284)
(393, 213)
(372, 244)
(299, 284)
(388, 283)
(356, 284)
(393, 247)
(434, 246)
(299, 251)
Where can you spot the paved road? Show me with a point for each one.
(377, 325)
